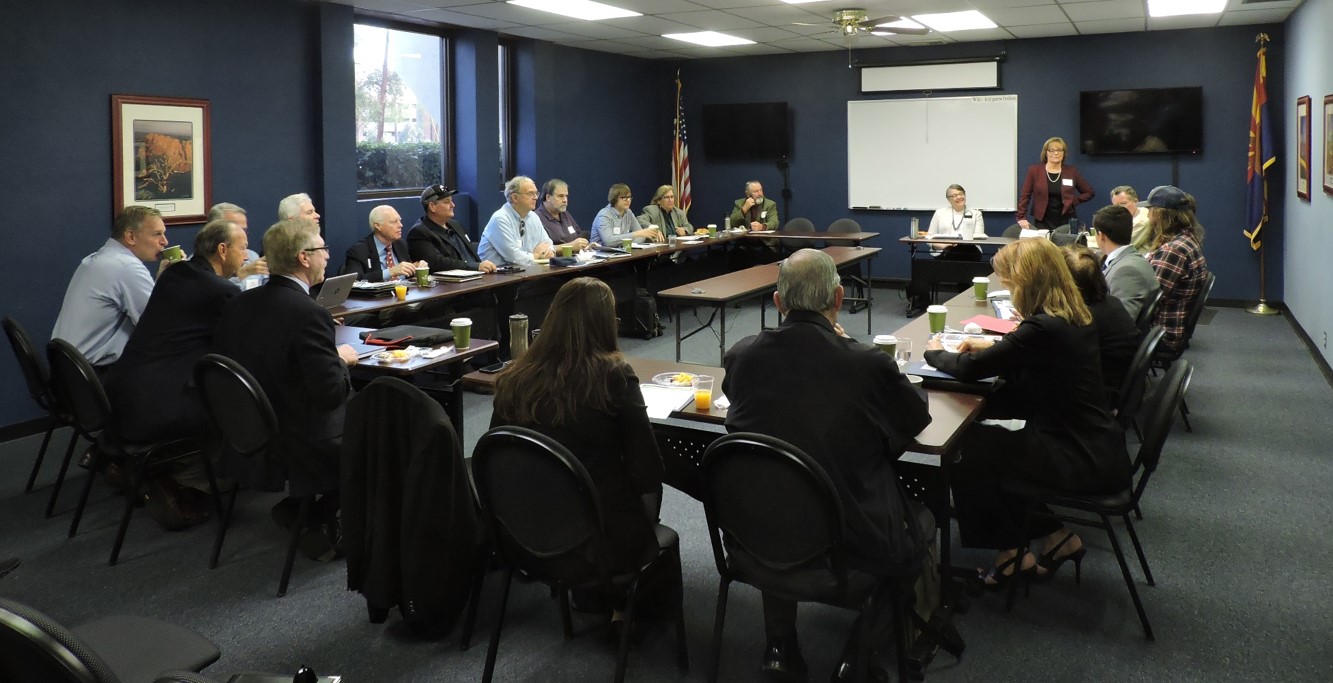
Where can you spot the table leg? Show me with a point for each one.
(675, 313)
(722, 336)
(870, 296)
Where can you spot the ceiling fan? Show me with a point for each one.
(851, 23)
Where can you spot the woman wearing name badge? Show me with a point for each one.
(615, 223)
(956, 220)
(664, 214)
(574, 386)
(1067, 441)
(1052, 189)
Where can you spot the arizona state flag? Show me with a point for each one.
(1261, 156)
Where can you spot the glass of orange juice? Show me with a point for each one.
(703, 392)
(400, 291)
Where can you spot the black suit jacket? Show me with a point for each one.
(442, 247)
(286, 341)
(619, 451)
(150, 386)
(1118, 337)
(846, 405)
(363, 258)
(1053, 379)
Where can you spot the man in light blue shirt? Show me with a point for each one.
(514, 235)
(111, 286)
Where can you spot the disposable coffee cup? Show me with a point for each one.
(173, 253)
(712, 230)
(979, 285)
(887, 343)
(462, 332)
(627, 243)
(936, 315)
(566, 250)
(423, 276)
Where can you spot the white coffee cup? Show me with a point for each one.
(887, 343)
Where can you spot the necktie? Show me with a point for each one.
(388, 257)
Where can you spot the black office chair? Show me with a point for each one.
(1163, 358)
(75, 385)
(244, 422)
(860, 297)
(1160, 411)
(38, 379)
(1148, 311)
(1129, 397)
(546, 520)
(796, 225)
(36, 649)
(783, 525)
(1012, 231)
(840, 226)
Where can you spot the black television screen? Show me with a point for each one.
(1143, 121)
(745, 131)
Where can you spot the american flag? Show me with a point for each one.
(680, 155)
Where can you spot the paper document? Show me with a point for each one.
(662, 401)
(1029, 232)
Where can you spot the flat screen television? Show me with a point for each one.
(1145, 121)
(749, 131)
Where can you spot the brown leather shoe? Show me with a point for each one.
(166, 505)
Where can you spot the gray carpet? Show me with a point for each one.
(1236, 531)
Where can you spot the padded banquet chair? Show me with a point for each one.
(76, 385)
(36, 649)
(1148, 310)
(783, 522)
(546, 520)
(1163, 358)
(38, 379)
(243, 421)
(853, 273)
(840, 226)
(1129, 397)
(796, 225)
(1161, 408)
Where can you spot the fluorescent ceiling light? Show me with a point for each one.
(708, 38)
(1175, 8)
(902, 23)
(577, 9)
(955, 21)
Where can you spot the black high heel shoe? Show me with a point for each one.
(1049, 562)
(1001, 574)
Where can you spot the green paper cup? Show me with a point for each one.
(979, 285)
(462, 332)
(936, 315)
(887, 343)
(566, 250)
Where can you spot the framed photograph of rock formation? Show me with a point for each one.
(160, 150)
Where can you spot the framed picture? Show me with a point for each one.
(160, 151)
(1303, 174)
(1328, 144)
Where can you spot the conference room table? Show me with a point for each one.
(934, 271)
(720, 292)
(449, 365)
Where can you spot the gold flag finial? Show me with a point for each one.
(1262, 38)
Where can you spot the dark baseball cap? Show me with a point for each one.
(436, 192)
(1166, 197)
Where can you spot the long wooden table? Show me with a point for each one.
(935, 271)
(722, 291)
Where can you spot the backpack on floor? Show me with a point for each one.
(638, 316)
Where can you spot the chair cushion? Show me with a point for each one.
(139, 648)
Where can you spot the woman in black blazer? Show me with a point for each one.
(1053, 382)
(574, 386)
(1117, 335)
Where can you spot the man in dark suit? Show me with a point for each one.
(1129, 276)
(286, 341)
(441, 241)
(150, 390)
(846, 405)
(382, 255)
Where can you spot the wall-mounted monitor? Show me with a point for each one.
(746, 132)
(1145, 121)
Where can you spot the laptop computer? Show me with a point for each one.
(335, 290)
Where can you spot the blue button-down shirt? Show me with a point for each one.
(509, 239)
(103, 303)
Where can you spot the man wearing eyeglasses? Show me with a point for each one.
(514, 235)
(286, 340)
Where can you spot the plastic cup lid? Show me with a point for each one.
(885, 339)
(461, 321)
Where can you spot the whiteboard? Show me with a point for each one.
(902, 154)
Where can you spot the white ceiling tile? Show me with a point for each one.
(540, 33)
(1026, 16)
(656, 6)
(712, 20)
(805, 45)
(441, 4)
(1105, 9)
(653, 26)
(651, 43)
(503, 11)
(1187, 21)
(1043, 30)
(445, 16)
(987, 5)
(594, 29)
(1255, 16)
(765, 34)
(1110, 26)
(760, 49)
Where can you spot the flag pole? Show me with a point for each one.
(1262, 308)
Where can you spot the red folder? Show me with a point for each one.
(992, 324)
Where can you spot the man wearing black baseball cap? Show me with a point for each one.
(441, 241)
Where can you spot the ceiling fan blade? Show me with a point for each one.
(803, 23)
(903, 31)
(882, 20)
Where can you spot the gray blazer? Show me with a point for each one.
(652, 215)
(1131, 279)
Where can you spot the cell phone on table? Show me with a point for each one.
(495, 367)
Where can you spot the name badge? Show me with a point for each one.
(1067, 182)
(763, 215)
(569, 229)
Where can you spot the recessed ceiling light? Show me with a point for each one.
(955, 21)
(577, 9)
(1175, 8)
(708, 38)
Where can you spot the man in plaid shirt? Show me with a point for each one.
(1177, 258)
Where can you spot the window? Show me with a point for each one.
(506, 89)
(400, 111)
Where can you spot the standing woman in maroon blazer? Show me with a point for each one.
(1052, 188)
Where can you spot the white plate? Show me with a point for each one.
(667, 379)
(541, 261)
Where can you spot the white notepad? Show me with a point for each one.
(662, 401)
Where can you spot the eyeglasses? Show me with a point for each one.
(624, 197)
(955, 195)
(1054, 150)
(324, 249)
(528, 194)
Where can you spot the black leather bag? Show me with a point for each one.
(408, 335)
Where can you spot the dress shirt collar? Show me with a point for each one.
(804, 317)
(1113, 256)
(304, 287)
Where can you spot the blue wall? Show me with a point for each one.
(1047, 75)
